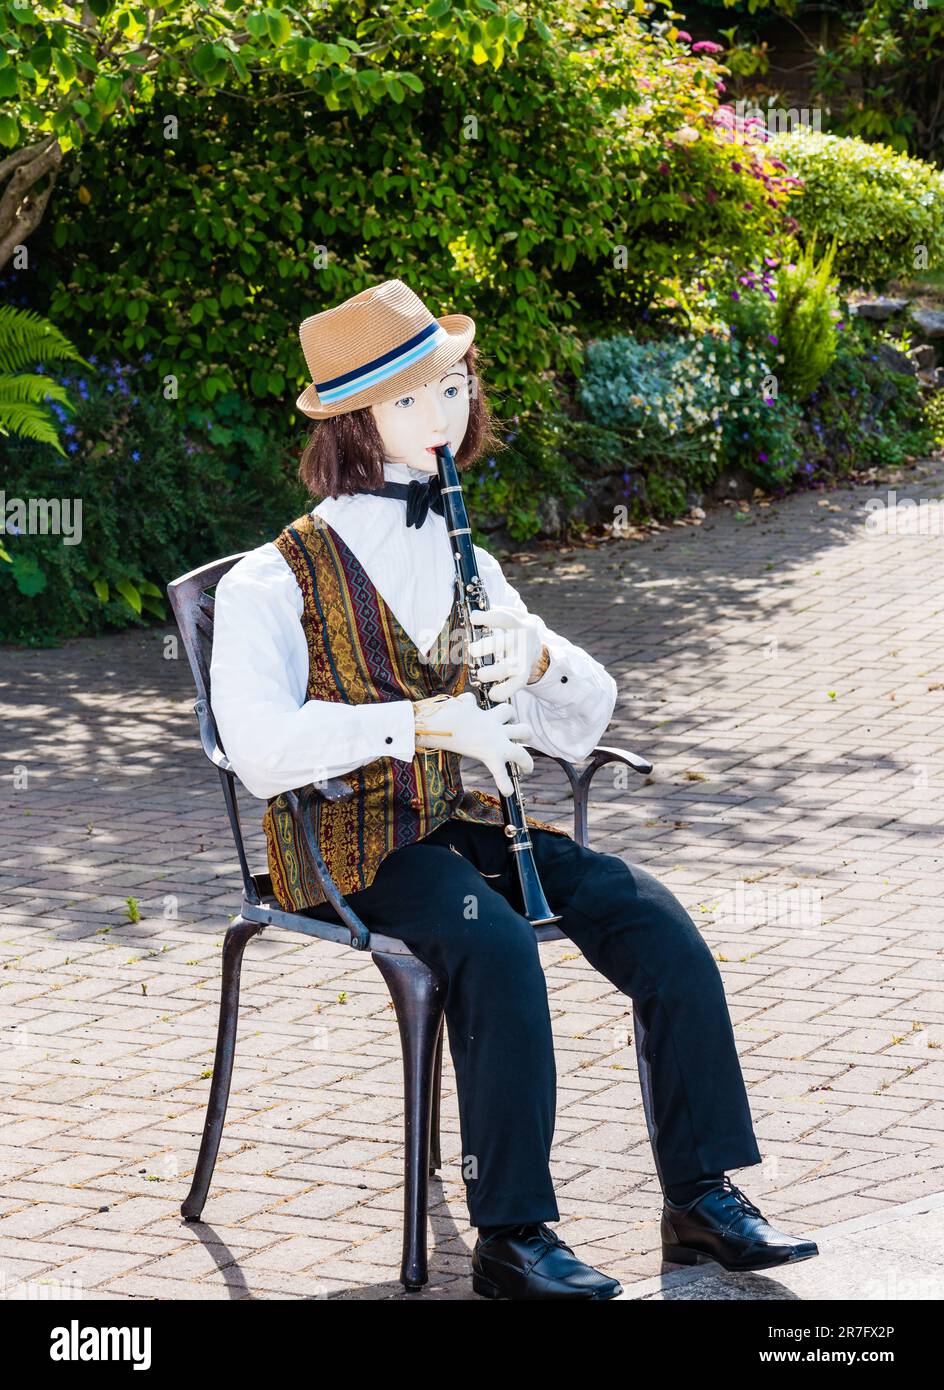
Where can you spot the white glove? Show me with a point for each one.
(459, 723)
(514, 642)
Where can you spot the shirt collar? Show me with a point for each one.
(400, 473)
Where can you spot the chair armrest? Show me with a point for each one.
(299, 805)
(602, 755)
(580, 781)
(208, 736)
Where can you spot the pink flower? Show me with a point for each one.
(720, 87)
(704, 46)
(683, 37)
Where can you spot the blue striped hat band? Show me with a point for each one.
(379, 369)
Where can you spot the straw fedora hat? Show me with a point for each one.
(376, 346)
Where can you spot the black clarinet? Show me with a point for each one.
(472, 595)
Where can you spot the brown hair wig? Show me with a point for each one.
(344, 453)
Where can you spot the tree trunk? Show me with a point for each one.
(27, 178)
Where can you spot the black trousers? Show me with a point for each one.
(447, 897)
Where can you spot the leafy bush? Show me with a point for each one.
(759, 428)
(504, 191)
(807, 309)
(657, 393)
(545, 458)
(861, 415)
(934, 417)
(159, 495)
(885, 210)
(691, 405)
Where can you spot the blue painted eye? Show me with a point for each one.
(451, 391)
(410, 399)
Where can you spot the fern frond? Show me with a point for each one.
(27, 338)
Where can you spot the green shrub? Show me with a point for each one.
(934, 417)
(885, 210)
(807, 309)
(657, 394)
(689, 406)
(545, 459)
(505, 192)
(160, 494)
(862, 414)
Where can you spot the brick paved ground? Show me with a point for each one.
(784, 671)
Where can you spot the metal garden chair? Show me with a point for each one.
(417, 992)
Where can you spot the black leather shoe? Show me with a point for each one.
(531, 1261)
(723, 1225)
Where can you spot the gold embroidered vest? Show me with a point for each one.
(358, 652)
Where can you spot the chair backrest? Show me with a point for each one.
(193, 608)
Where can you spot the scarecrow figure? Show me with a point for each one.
(333, 657)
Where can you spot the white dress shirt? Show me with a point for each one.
(278, 740)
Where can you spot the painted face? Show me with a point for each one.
(437, 413)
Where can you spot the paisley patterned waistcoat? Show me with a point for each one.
(359, 653)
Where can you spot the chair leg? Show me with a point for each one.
(435, 1156)
(418, 998)
(234, 944)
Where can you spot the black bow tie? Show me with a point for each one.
(419, 497)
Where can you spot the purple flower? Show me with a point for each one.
(762, 457)
(772, 337)
(735, 295)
